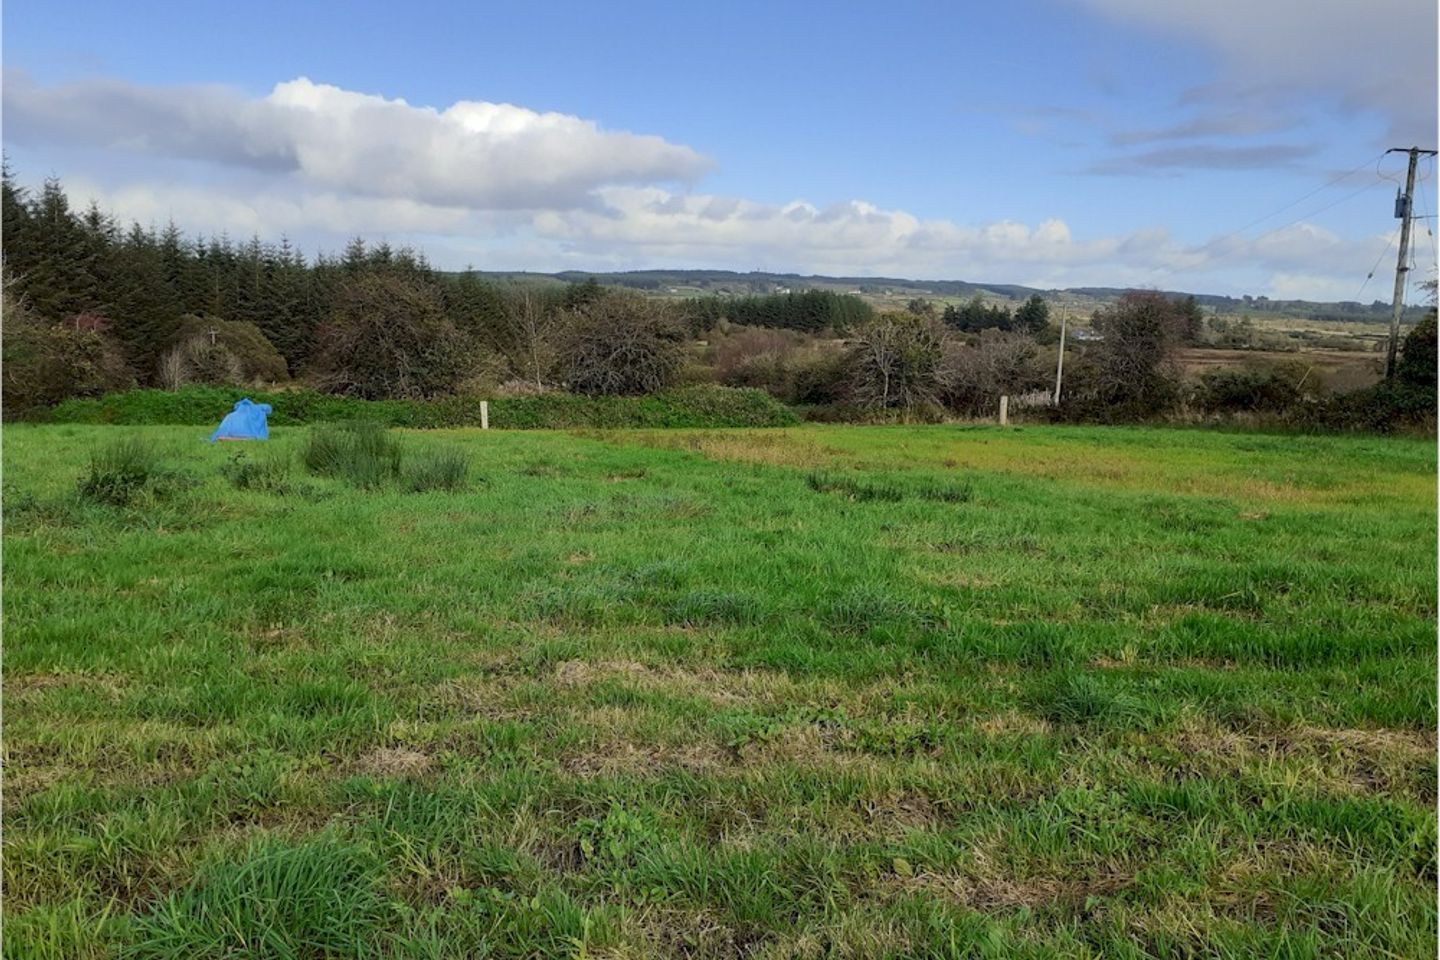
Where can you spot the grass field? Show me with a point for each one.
(884, 691)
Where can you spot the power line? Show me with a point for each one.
(1327, 184)
(1376, 265)
(1312, 213)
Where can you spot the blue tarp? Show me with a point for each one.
(245, 422)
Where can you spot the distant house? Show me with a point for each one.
(1084, 333)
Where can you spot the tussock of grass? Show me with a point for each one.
(269, 474)
(120, 471)
(889, 492)
(320, 898)
(441, 470)
(361, 453)
(1084, 698)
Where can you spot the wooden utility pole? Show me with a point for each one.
(1403, 212)
(1060, 361)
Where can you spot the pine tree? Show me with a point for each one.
(61, 281)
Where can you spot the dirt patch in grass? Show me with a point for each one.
(900, 811)
(395, 762)
(720, 687)
(490, 698)
(619, 757)
(24, 684)
(989, 893)
(1013, 723)
(1341, 760)
(1410, 744)
(694, 934)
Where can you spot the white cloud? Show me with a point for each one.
(507, 187)
(1377, 55)
(473, 153)
(630, 228)
(268, 213)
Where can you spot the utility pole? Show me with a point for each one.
(1060, 360)
(1403, 213)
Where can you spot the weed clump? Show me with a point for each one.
(855, 489)
(1081, 698)
(444, 470)
(270, 474)
(121, 472)
(888, 491)
(317, 899)
(360, 453)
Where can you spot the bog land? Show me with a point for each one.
(813, 691)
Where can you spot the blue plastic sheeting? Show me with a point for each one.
(245, 422)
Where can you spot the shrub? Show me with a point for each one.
(785, 364)
(1272, 389)
(119, 472)
(622, 344)
(443, 470)
(360, 453)
(1130, 374)
(388, 337)
(1416, 365)
(211, 350)
(974, 376)
(895, 362)
(43, 362)
(1383, 408)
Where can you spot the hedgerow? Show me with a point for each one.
(695, 406)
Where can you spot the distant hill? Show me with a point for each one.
(882, 289)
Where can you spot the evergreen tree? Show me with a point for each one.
(1032, 316)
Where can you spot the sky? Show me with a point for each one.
(1230, 146)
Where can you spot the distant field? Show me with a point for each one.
(1339, 370)
(821, 691)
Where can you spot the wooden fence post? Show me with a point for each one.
(1004, 410)
(484, 414)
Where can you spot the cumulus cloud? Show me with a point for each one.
(657, 226)
(1377, 56)
(511, 188)
(473, 153)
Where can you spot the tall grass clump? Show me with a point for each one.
(441, 470)
(1082, 698)
(269, 474)
(360, 453)
(320, 899)
(119, 472)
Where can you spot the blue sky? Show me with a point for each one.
(1047, 142)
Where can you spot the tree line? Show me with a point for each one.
(92, 306)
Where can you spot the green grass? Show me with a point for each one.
(820, 691)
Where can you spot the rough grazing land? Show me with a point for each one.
(814, 692)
